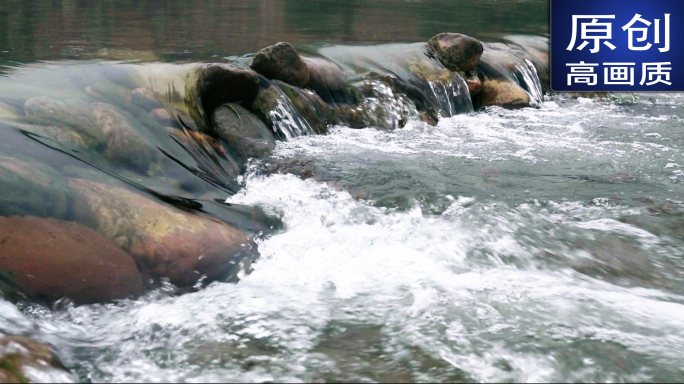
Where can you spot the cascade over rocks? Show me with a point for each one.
(52, 259)
(281, 62)
(309, 104)
(328, 80)
(164, 241)
(455, 51)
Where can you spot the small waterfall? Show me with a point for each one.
(385, 108)
(530, 81)
(287, 122)
(453, 96)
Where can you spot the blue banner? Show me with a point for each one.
(610, 45)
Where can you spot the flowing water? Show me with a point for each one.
(541, 244)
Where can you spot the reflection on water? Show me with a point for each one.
(172, 29)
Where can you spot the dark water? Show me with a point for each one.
(176, 29)
(542, 244)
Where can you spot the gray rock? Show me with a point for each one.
(243, 131)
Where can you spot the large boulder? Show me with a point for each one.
(218, 84)
(164, 241)
(504, 94)
(52, 259)
(281, 62)
(124, 144)
(31, 188)
(242, 131)
(23, 360)
(329, 81)
(455, 51)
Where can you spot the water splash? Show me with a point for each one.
(287, 122)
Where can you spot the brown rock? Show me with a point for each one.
(164, 241)
(81, 121)
(52, 259)
(456, 52)
(474, 85)
(504, 94)
(281, 62)
(17, 353)
(328, 80)
(124, 144)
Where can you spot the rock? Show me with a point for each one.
(163, 241)
(281, 62)
(504, 94)
(124, 144)
(52, 259)
(210, 154)
(145, 98)
(328, 80)
(455, 51)
(62, 134)
(161, 116)
(23, 360)
(31, 188)
(217, 85)
(474, 85)
(81, 121)
(313, 109)
(242, 131)
(8, 112)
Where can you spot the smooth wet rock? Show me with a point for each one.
(313, 109)
(243, 131)
(281, 62)
(504, 94)
(31, 188)
(164, 241)
(124, 144)
(78, 119)
(328, 80)
(61, 134)
(455, 51)
(218, 84)
(161, 116)
(8, 112)
(53, 259)
(474, 85)
(23, 360)
(145, 98)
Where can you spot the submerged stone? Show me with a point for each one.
(281, 62)
(164, 241)
(31, 188)
(504, 94)
(145, 98)
(243, 131)
(81, 121)
(52, 259)
(455, 51)
(124, 144)
(23, 360)
(8, 112)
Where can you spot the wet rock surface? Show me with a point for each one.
(315, 111)
(504, 94)
(52, 259)
(23, 360)
(281, 62)
(242, 131)
(455, 51)
(164, 241)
